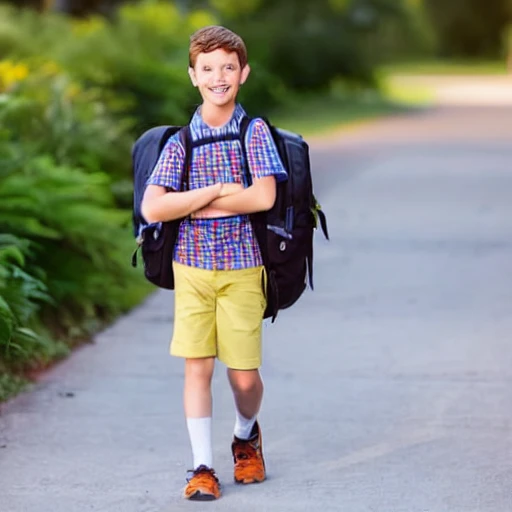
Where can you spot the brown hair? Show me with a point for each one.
(209, 39)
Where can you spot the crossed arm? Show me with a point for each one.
(219, 200)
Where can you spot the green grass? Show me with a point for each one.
(320, 114)
(402, 93)
(315, 115)
(11, 385)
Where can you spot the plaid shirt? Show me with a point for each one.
(226, 243)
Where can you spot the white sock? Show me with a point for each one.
(200, 434)
(243, 425)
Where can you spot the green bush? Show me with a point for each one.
(21, 295)
(78, 239)
(65, 243)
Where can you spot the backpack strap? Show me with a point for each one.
(244, 126)
(323, 223)
(285, 200)
(186, 142)
(259, 223)
(212, 139)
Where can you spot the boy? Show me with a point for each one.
(218, 268)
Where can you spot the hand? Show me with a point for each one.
(218, 187)
(210, 212)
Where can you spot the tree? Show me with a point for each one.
(470, 28)
(71, 7)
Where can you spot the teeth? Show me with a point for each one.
(220, 89)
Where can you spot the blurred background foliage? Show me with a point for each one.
(80, 79)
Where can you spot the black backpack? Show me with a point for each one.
(156, 241)
(284, 233)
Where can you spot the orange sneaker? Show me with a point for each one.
(248, 458)
(203, 485)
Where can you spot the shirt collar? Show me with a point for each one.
(232, 125)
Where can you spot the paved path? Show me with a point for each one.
(388, 389)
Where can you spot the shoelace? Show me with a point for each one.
(203, 475)
(245, 454)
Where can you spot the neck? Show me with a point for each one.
(215, 116)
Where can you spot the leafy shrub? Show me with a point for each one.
(64, 241)
(21, 295)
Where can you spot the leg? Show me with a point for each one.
(194, 339)
(247, 389)
(197, 398)
(240, 309)
(247, 443)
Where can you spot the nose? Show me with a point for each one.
(218, 74)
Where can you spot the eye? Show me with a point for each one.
(207, 68)
(230, 67)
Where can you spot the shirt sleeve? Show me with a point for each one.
(168, 169)
(262, 155)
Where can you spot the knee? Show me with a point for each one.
(245, 382)
(199, 370)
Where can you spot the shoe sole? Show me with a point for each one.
(253, 481)
(199, 496)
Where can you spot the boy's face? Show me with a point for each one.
(218, 77)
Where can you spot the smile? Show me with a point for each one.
(219, 90)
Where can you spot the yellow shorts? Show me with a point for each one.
(219, 313)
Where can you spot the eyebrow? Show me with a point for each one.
(226, 64)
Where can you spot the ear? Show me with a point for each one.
(192, 75)
(245, 73)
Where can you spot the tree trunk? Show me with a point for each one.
(61, 5)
